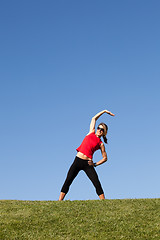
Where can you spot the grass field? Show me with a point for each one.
(88, 220)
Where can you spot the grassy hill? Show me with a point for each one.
(88, 220)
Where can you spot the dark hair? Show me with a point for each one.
(105, 139)
(104, 136)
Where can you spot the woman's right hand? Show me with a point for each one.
(112, 114)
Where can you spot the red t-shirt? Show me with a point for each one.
(90, 144)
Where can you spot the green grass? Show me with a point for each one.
(88, 220)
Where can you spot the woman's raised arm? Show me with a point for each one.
(94, 119)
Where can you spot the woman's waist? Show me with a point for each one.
(83, 156)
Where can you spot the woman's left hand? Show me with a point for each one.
(90, 162)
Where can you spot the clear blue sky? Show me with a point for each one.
(61, 62)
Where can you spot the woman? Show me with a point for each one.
(83, 160)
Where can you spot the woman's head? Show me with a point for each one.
(102, 130)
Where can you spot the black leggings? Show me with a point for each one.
(80, 164)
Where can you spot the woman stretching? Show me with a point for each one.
(83, 160)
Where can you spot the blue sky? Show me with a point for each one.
(61, 63)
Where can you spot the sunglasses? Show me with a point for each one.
(101, 129)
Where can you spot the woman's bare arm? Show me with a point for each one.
(94, 119)
(104, 155)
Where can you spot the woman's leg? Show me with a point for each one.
(91, 173)
(72, 173)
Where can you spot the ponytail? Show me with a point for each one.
(105, 139)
